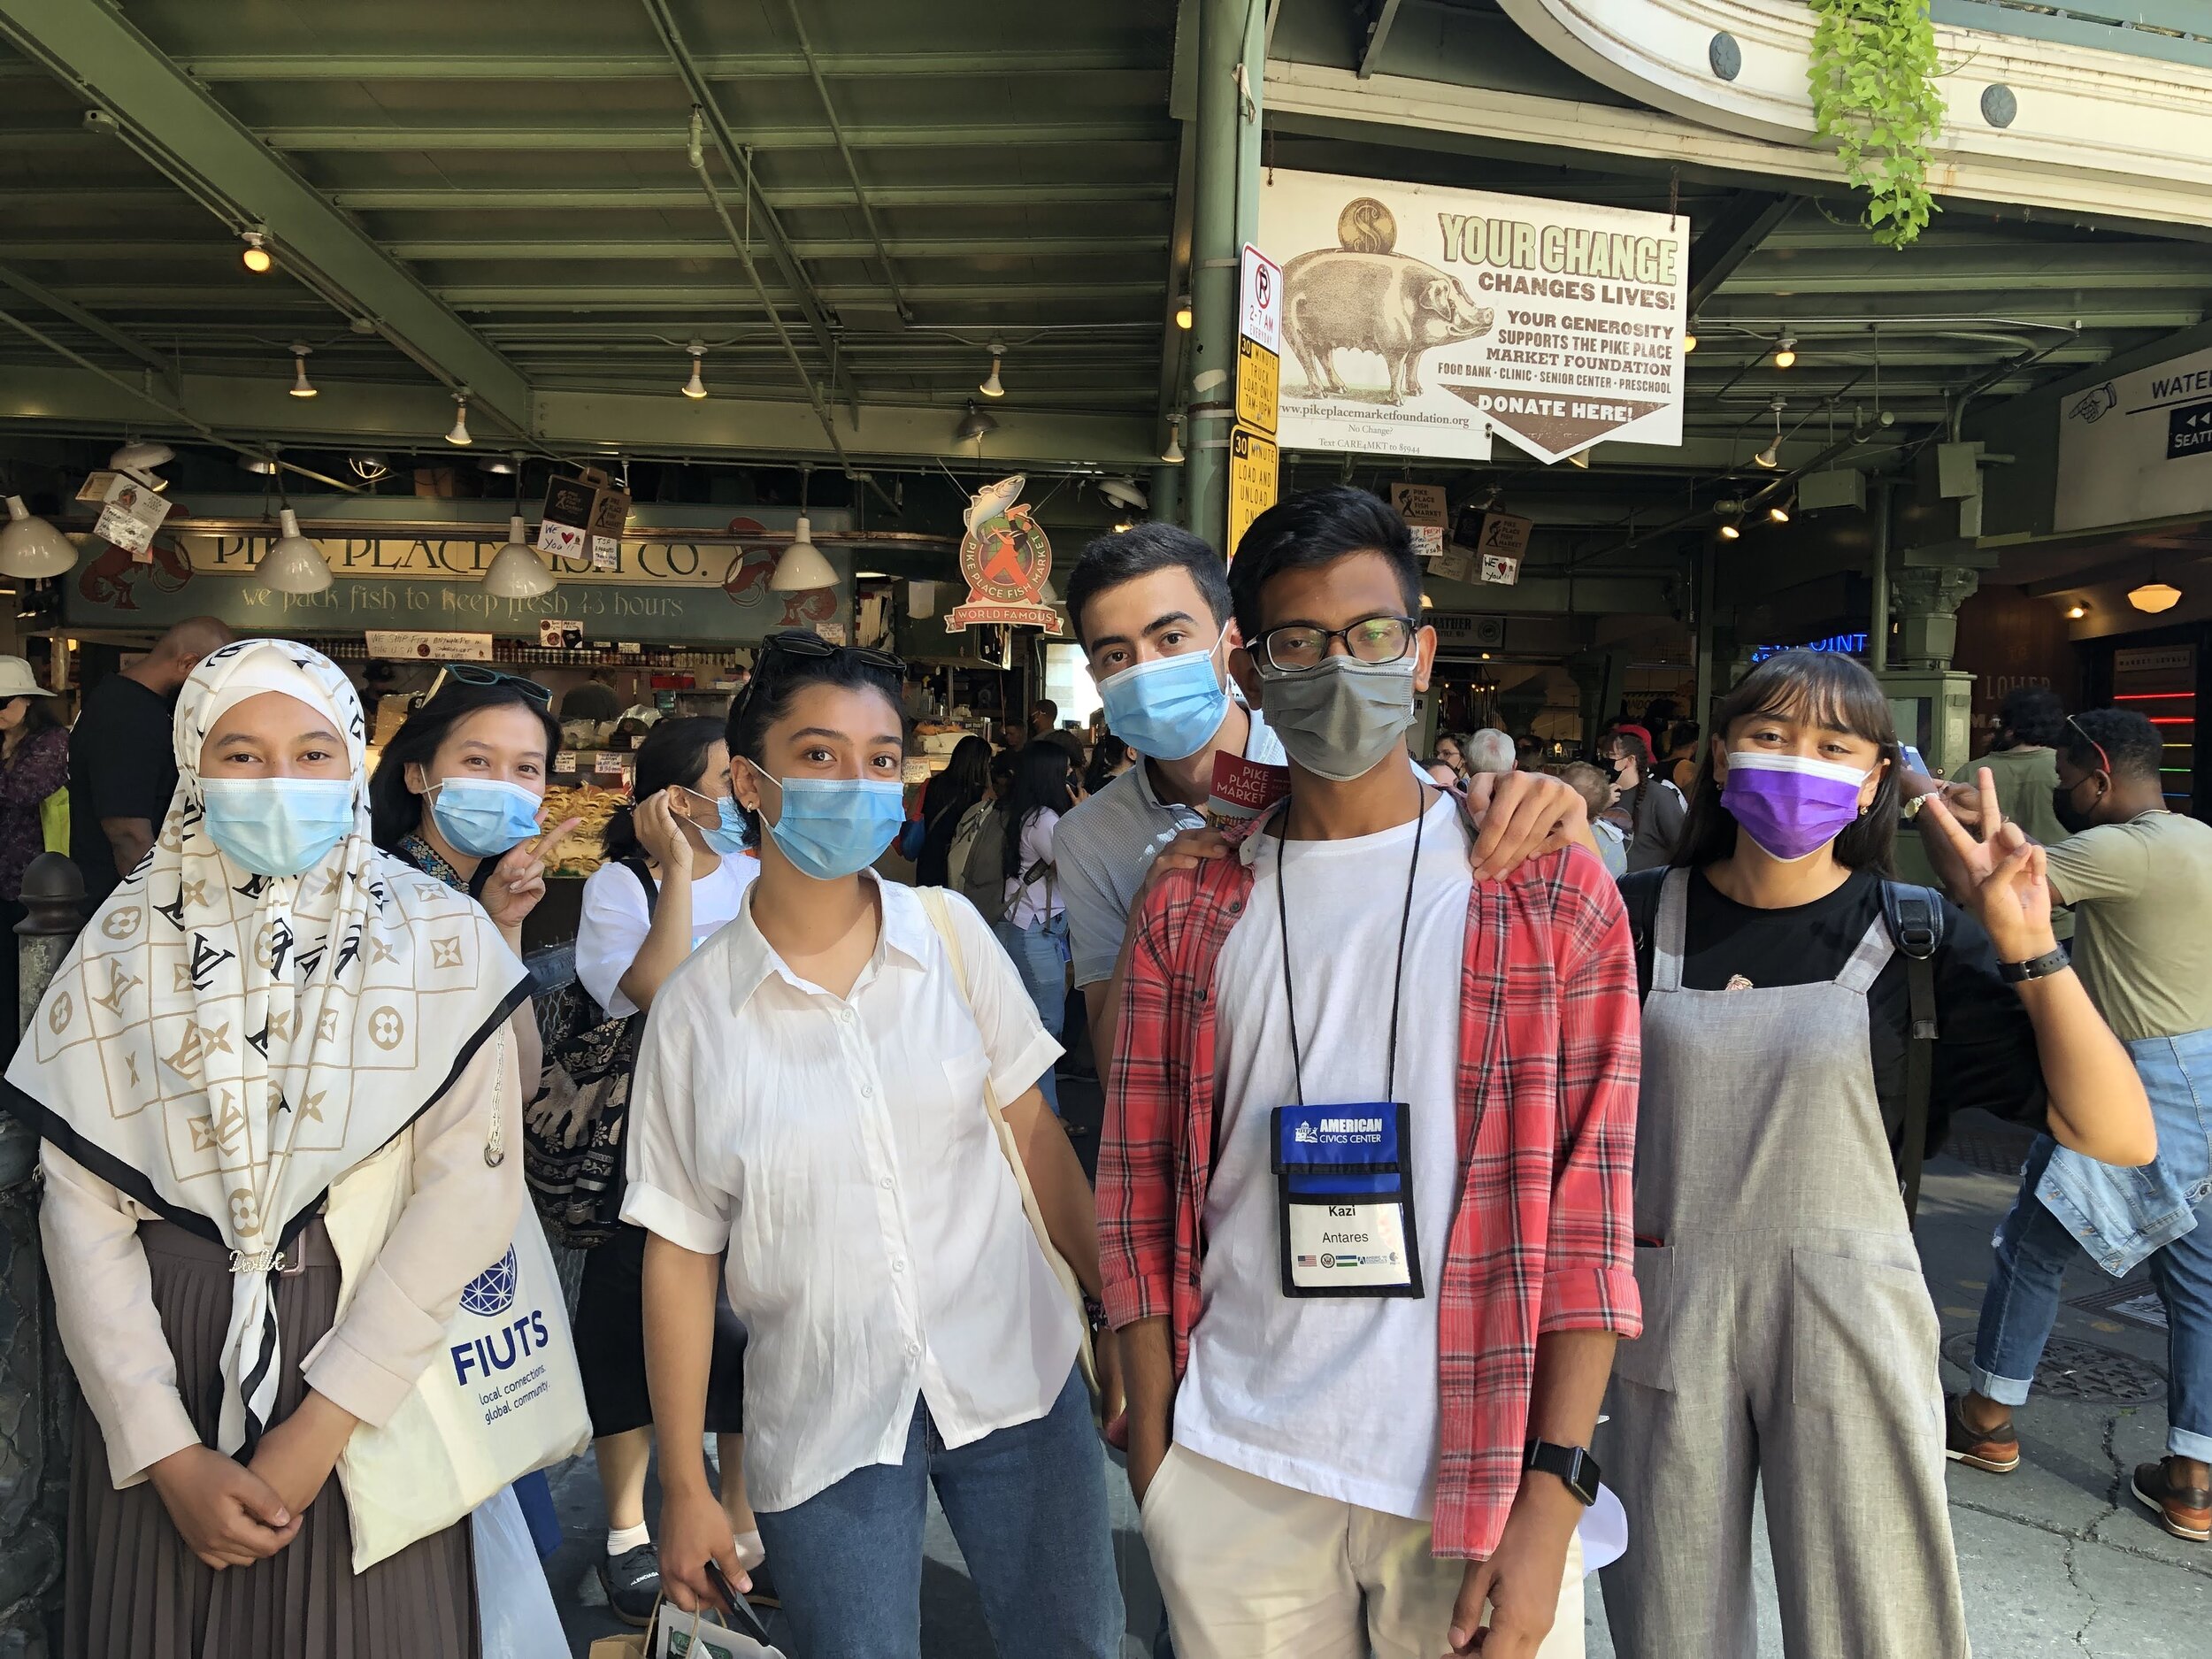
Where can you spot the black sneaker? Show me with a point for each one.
(633, 1583)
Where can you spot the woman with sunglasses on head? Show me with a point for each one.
(253, 1016)
(457, 793)
(1789, 1341)
(676, 872)
(812, 1121)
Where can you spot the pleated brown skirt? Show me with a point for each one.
(136, 1592)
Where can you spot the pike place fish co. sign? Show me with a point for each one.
(1416, 321)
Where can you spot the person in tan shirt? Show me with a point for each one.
(264, 1007)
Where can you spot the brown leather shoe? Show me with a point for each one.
(2184, 1511)
(1999, 1453)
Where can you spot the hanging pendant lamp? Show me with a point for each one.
(293, 563)
(32, 549)
(516, 570)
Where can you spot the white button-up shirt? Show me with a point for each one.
(841, 1150)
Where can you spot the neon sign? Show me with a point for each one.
(1841, 644)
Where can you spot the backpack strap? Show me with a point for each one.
(637, 867)
(1914, 916)
(1642, 900)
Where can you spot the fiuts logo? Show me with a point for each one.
(493, 1290)
(489, 1294)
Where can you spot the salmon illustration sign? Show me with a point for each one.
(1418, 321)
(1006, 558)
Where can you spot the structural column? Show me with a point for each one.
(1230, 36)
(1925, 601)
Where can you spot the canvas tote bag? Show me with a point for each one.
(503, 1396)
(940, 917)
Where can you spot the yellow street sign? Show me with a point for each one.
(1259, 384)
(1253, 481)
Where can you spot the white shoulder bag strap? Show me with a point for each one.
(940, 917)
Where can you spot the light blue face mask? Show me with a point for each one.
(833, 827)
(277, 826)
(483, 816)
(1168, 708)
(729, 840)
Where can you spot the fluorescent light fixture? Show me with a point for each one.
(32, 549)
(802, 568)
(293, 564)
(516, 570)
(299, 385)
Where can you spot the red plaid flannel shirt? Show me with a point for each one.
(1548, 1056)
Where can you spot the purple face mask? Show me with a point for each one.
(1791, 806)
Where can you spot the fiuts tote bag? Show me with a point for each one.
(502, 1398)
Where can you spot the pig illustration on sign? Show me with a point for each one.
(1336, 299)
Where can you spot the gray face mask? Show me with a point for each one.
(1339, 719)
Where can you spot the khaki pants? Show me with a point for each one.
(1250, 1569)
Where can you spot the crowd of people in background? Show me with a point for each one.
(1494, 1143)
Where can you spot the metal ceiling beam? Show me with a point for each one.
(632, 297)
(577, 135)
(1733, 236)
(1037, 196)
(715, 247)
(852, 168)
(91, 46)
(583, 424)
(86, 321)
(650, 65)
(1385, 15)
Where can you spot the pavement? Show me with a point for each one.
(2058, 1559)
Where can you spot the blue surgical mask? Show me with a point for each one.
(483, 816)
(832, 827)
(1168, 708)
(277, 826)
(729, 840)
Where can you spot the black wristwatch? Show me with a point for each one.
(1572, 1464)
(2052, 961)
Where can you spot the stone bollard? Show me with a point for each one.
(37, 1393)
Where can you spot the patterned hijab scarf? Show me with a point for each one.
(222, 1044)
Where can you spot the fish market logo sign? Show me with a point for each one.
(1006, 558)
(1421, 320)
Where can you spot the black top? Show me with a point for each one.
(943, 809)
(122, 764)
(1985, 1052)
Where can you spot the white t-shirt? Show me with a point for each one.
(1335, 1397)
(1030, 902)
(615, 921)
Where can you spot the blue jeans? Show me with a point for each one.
(2033, 1248)
(1040, 955)
(1027, 1505)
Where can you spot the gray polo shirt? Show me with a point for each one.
(1103, 848)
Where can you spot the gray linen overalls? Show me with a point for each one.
(1789, 1339)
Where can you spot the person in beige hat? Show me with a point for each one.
(34, 763)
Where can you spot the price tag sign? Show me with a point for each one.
(566, 761)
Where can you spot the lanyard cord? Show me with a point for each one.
(1398, 972)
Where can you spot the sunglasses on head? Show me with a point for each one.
(477, 674)
(807, 647)
(2104, 761)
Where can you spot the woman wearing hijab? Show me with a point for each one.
(256, 1012)
(1789, 1341)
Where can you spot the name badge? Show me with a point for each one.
(1345, 1201)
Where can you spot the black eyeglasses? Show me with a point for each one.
(477, 674)
(1296, 647)
(812, 647)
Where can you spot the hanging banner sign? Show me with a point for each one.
(442, 648)
(132, 512)
(1006, 558)
(1504, 535)
(1426, 511)
(579, 513)
(1254, 480)
(1501, 570)
(1419, 320)
(2138, 446)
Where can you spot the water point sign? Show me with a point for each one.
(1421, 320)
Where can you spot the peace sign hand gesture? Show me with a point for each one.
(2001, 877)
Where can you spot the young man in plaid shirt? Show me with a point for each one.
(1363, 1197)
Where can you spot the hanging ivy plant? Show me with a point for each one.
(1872, 74)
